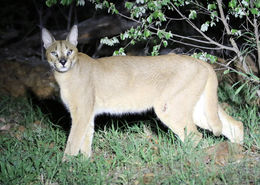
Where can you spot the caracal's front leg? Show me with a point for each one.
(81, 130)
(85, 147)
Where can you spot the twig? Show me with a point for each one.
(39, 11)
(203, 8)
(176, 35)
(233, 43)
(175, 19)
(200, 32)
(257, 41)
(69, 16)
(239, 73)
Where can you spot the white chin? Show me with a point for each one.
(62, 70)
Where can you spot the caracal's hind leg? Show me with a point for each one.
(176, 115)
(176, 110)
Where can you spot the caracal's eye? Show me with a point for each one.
(54, 53)
(69, 52)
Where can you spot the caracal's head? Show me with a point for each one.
(61, 54)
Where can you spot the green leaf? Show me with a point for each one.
(165, 43)
(121, 52)
(138, 11)
(106, 4)
(211, 58)
(235, 32)
(66, 2)
(109, 42)
(205, 26)
(49, 3)
(112, 9)
(240, 88)
(193, 14)
(140, 1)
(116, 53)
(168, 35)
(151, 5)
(257, 3)
(163, 34)
(156, 49)
(254, 11)
(212, 23)
(212, 7)
(226, 71)
(132, 42)
(205, 57)
(81, 2)
(213, 14)
(150, 19)
(129, 5)
(122, 36)
(147, 33)
(160, 34)
(132, 30)
(158, 14)
(232, 4)
(245, 3)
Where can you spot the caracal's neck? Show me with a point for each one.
(61, 76)
(82, 67)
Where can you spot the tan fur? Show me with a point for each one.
(181, 90)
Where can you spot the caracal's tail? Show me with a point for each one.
(232, 129)
(209, 115)
(205, 113)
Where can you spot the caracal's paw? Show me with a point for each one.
(217, 130)
(67, 157)
(238, 133)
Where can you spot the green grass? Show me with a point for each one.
(32, 149)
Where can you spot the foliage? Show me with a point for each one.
(153, 19)
(205, 57)
(109, 42)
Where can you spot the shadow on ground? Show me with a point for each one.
(58, 115)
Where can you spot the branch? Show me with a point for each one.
(39, 11)
(200, 32)
(203, 8)
(179, 36)
(233, 43)
(257, 41)
(69, 16)
(239, 73)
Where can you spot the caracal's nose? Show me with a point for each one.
(63, 61)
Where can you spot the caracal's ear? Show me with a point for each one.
(47, 38)
(73, 35)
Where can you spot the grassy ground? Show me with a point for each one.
(31, 149)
